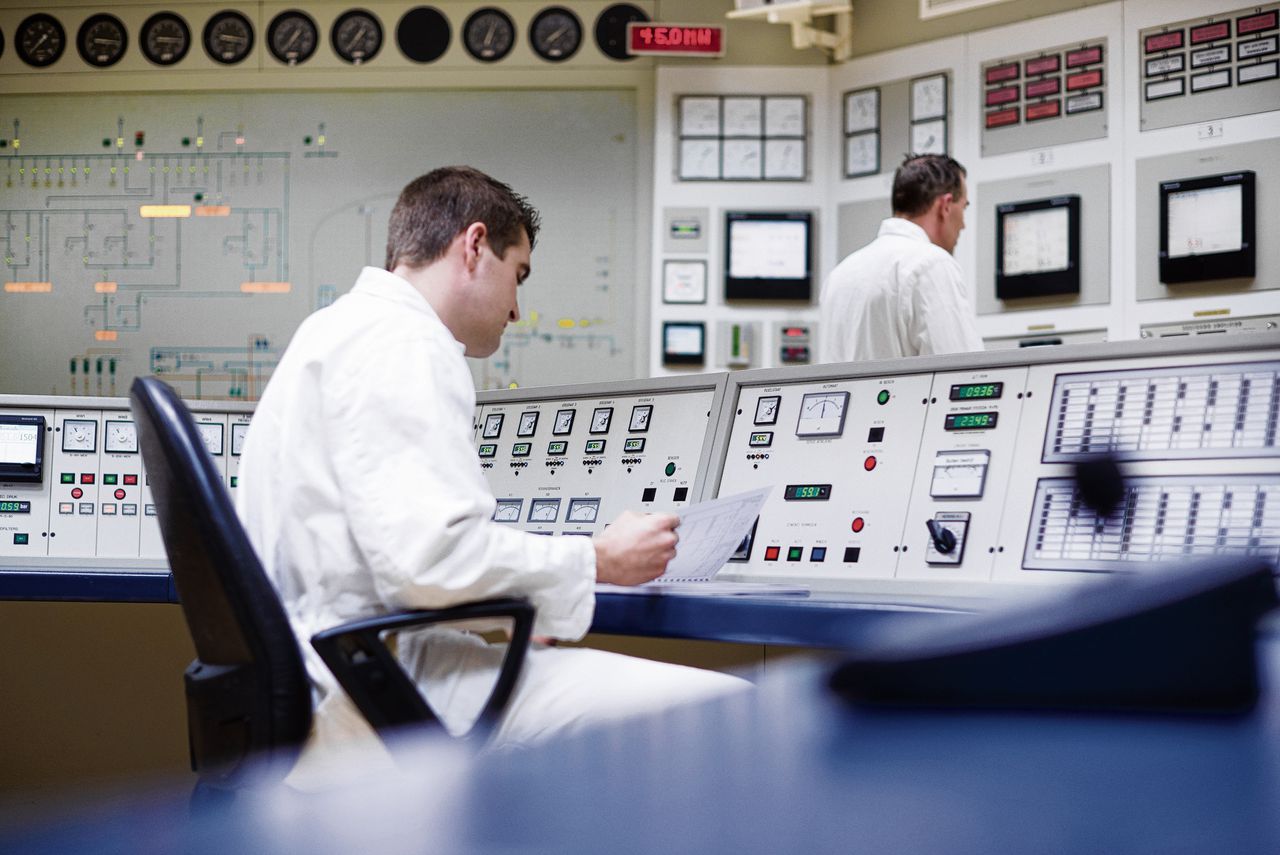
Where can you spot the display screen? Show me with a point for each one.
(1038, 247)
(556, 448)
(761, 439)
(634, 446)
(489, 449)
(684, 343)
(19, 443)
(10, 507)
(1036, 241)
(768, 256)
(521, 449)
(976, 391)
(970, 421)
(1205, 221)
(807, 492)
(594, 446)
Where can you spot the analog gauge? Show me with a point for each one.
(640, 418)
(79, 435)
(292, 37)
(508, 510)
(767, 410)
(544, 510)
(555, 34)
(583, 510)
(228, 37)
(528, 423)
(211, 434)
(102, 40)
(122, 438)
(822, 414)
(564, 422)
(600, 419)
(238, 432)
(488, 34)
(165, 38)
(356, 36)
(611, 29)
(492, 426)
(40, 40)
(423, 34)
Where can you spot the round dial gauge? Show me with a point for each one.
(292, 37)
(600, 419)
(356, 36)
(102, 40)
(165, 38)
(555, 34)
(611, 29)
(79, 435)
(423, 34)
(122, 438)
(40, 40)
(488, 34)
(564, 422)
(528, 424)
(211, 434)
(228, 37)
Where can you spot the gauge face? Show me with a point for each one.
(40, 40)
(228, 37)
(102, 40)
(122, 438)
(508, 510)
(492, 426)
(544, 510)
(822, 414)
(640, 418)
(564, 422)
(79, 435)
(356, 36)
(165, 38)
(211, 434)
(583, 510)
(555, 34)
(767, 410)
(611, 29)
(423, 34)
(488, 34)
(600, 419)
(238, 432)
(292, 37)
(528, 423)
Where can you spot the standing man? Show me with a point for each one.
(362, 494)
(903, 294)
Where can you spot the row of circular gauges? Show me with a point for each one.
(423, 34)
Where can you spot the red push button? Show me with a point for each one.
(119, 494)
(858, 524)
(771, 553)
(76, 492)
(131, 480)
(869, 463)
(86, 477)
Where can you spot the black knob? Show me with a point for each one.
(944, 540)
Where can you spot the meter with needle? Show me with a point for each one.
(822, 414)
(488, 34)
(555, 34)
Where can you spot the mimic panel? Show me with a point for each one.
(88, 502)
(927, 475)
(568, 460)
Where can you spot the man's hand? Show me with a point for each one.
(635, 548)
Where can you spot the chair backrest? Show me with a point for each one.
(247, 691)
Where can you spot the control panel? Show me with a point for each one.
(920, 473)
(73, 487)
(568, 460)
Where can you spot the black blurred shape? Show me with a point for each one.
(1100, 482)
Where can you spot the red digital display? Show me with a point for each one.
(1210, 32)
(1003, 95)
(1084, 79)
(1084, 56)
(1001, 73)
(1042, 65)
(1000, 118)
(1043, 110)
(1163, 41)
(1257, 23)
(1040, 88)
(645, 38)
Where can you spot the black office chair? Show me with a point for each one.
(248, 695)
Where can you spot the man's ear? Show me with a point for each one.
(473, 239)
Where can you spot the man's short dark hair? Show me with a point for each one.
(434, 209)
(922, 178)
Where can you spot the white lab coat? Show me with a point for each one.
(362, 494)
(900, 295)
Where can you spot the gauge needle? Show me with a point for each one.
(488, 36)
(555, 37)
(44, 38)
(292, 38)
(227, 37)
(112, 42)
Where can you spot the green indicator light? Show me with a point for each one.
(306, 140)
(883, 397)
(199, 197)
(234, 481)
(794, 553)
(68, 478)
(109, 479)
(186, 141)
(20, 539)
(671, 469)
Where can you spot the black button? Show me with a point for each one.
(876, 434)
(851, 554)
(682, 493)
(649, 494)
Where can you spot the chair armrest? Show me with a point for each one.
(372, 676)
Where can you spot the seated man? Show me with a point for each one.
(362, 494)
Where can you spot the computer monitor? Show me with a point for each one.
(768, 256)
(1038, 248)
(1207, 228)
(684, 343)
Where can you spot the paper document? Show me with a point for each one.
(710, 532)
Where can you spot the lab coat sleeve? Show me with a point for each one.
(399, 426)
(943, 319)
